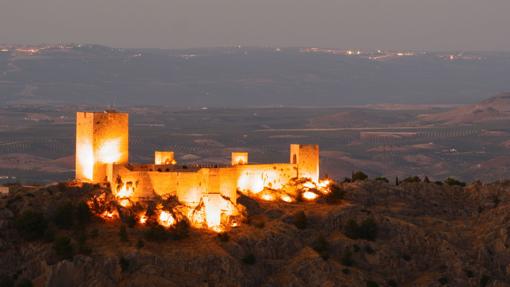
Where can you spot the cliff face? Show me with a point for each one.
(414, 234)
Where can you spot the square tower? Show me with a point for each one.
(306, 157)
(101, 139)
(164, 157)
(239, 158)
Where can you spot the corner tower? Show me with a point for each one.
(101, 139)
(306, 157)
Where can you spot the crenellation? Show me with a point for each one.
(102, 156)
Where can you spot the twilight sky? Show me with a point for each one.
(363, 24)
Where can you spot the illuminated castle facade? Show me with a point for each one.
(102, 157)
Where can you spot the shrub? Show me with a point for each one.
(6, 281)
(322, 247)
(346, 271)
(124, 264)
(392, 283)
(453, 182)
(443, 280)
(180, 230)
(412, 179)
(336, 195)
(140, 244)
(83, 214)
(484, 281)
(469, 273)
(249, 259)
(156, 233)
(257, 221)
(299, 220)
(64, 215)
(366, 230)
(382, 178)
(25, 283)
(123, 234)
(372, 284)
(130, 220)
(369, 249)
(359, 176)
(223, 236)
(31, 225)
(347, 258)
(63, 247)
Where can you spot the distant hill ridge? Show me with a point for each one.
(495, 108)
(242, 77)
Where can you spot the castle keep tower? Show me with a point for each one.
(101, 139)
(306, 157)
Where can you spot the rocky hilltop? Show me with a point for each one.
(373, 233)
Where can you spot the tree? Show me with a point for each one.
(453, 182)
(359, 176)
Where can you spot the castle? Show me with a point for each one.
(102, 156)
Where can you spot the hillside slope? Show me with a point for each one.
(414, 234)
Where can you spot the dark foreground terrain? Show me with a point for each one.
(379, 234)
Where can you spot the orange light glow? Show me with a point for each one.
(85, 157)
(267, 197)
(109, 151)
(286, 198)
(143, 219)
(125, 202)
(308, 195)
(125, 191)
(109, 215)
(166, 219)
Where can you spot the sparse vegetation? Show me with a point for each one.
(63, 247)
(124, 264)
(6, 281)
(454, 182)
(336, 195)
(249, 259)
(299, 220)
(392, 283)
(321, 246)
(382, 178)
(123, 234)
(64, 215)
(223, 236)
(140, 244)
(257, 221)
(83, 214)
(372, 284)
(366, 230)
(156, 232)
(412, 179)
(359, 176)
(24, 283)
(347, 258)
(180, 230)
(485, 280)
(31, 225)
(443, 280)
